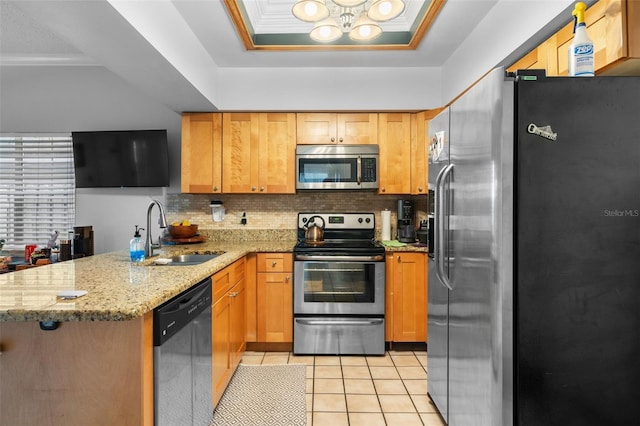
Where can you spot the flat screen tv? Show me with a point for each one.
(115, 159)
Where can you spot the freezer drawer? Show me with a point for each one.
(338, 336)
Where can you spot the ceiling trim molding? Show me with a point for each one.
(389, 43)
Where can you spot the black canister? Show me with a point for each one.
(65, 250)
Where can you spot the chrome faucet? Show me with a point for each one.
(162, 221)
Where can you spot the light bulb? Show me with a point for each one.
(310, 9)
(364, 31)
(325, 32)
(385, 8)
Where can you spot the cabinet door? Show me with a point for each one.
(419, 151)
(409, 297)
(277, 148)
(240, 141)
(394, 141)
(605, 27)
(275, 307)
(538, 58)
(357, 128)
(237, 314)
(316, 128)
(251, 299)
(221, 317)
(201, 153)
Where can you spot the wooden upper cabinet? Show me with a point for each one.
(538, 58)
(201, 153)
(394, 141)
(328, 128)
(258, 151)
(419, 152)
(614, 27)
(277, 149)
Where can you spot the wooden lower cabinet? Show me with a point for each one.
(82, 373)
(406, 297)
(274, 297)
(228, 325)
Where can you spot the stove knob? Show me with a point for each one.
(359, 220)
(368, 220)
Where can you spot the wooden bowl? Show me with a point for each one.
(183, 231)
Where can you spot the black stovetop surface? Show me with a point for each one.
(340, 246)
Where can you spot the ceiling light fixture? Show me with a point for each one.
(335, 17)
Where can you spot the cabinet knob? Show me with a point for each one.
(399, 258)
(287, 278)
(419, 189)
(382, 189)
(333, 139)
(215, 189)
(233, 294)
(274, 264)
(341, 140)
(253, 188)
(261, 188)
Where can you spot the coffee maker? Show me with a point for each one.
(82, 241)
(406, 219)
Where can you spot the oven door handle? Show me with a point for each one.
(376, 258)
(373, 321)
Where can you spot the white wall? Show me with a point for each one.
(346, 89)
(64, 99)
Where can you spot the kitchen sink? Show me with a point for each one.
(186, 259)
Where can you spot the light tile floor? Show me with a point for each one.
(362, 391)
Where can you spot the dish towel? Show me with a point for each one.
(393, 243)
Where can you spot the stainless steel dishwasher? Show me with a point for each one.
(182, 358)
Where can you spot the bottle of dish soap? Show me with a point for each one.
(581, 52)
(136, 246)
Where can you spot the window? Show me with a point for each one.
(37, 188)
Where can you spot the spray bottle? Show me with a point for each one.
(136, 246)
(581, 52)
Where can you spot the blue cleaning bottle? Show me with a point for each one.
(136, 246)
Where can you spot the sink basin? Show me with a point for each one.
(186, 259)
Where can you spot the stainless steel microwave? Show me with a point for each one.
(337, 167)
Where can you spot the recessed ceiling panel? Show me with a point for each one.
(271, 25)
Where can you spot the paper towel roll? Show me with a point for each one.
(386, 225)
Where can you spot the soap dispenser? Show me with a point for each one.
(136, 246)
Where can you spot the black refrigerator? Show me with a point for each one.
(534, 271)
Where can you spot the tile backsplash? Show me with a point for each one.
(267, 211)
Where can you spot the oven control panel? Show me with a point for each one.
(339, 220)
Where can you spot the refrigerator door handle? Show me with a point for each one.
(440, 231)
(436, 221)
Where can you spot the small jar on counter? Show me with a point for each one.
(65, 250)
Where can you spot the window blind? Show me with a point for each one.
(37, 188)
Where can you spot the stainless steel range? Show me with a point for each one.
(339, 286)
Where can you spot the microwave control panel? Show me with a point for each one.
(369, 173)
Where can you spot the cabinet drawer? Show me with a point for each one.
(222, 282)
(227, 278)
(238, 271)
(275, 262)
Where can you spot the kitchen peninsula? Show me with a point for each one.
(90, 360)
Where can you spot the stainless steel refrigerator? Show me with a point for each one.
(534, 278)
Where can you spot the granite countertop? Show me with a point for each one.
(119, 290)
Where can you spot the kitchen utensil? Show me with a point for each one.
(314, 233)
